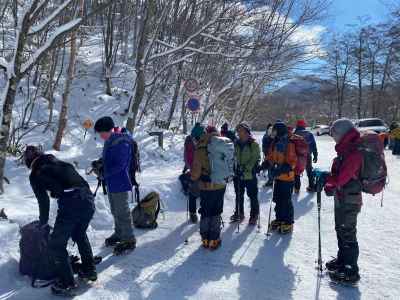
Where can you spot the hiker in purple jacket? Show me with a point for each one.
(118, 160)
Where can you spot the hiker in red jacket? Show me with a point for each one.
(344, 185)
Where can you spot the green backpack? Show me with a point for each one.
(146, 212)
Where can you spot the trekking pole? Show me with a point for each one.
(187, 208)
(270, 209)
(319, 190)
(237, 206)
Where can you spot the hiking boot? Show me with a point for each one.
(87, 275)
(286, 228)
(237, 218)
(194, 218)
(275, 225)
(60, 289)
(214, 244)
(346, 274)
(333, 265)
(253, 220)
(112, 241)
(205, 244)
(125, 246)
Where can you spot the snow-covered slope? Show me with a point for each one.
(247, 266)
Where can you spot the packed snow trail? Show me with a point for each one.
(247, 266)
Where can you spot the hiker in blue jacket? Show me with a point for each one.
(118, 160)
(312, 145)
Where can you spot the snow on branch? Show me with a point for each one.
(185, 43)
(43, 24)
(58, 35)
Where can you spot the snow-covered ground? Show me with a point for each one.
(247, 266)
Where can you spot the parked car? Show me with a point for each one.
(373, 124)
(322, 129)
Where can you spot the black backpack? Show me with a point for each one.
(35, 259)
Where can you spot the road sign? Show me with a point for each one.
(193, 104)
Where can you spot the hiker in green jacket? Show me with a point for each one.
(247, 154)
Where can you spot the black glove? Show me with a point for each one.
(315, 160)
(205, 178)
(265, 165)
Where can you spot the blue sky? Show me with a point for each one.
(344, 12)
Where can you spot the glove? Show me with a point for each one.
(315, 160)
(265, 165)
(330, 189)
(205, 178)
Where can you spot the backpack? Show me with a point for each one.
(373, 172)
(146, 212)
(302, 152)
(35, 260)
(221, 155)
(135, 164)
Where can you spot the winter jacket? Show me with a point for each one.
(282, 155)
(266, 143)
(346, 168)
(50, 174)
(201, 169)
(309, 137)
(117, 157)
(247, 158)
(395, 134)
(188, 154)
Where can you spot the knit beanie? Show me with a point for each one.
(341, 127)
(104, 124)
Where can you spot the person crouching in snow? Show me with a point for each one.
(75, 211)
(211, 194)
(344, 185)
(282, 159)
(247, 155)
(117, 159)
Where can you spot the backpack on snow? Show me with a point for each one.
(373, 172)
(146, 212)
(302, 152)
(221, 155)
(35, 260)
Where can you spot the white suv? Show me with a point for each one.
(373, 124)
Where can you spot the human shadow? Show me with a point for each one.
(303, 206)
(201, 267)
(346, 293)
(149, 254)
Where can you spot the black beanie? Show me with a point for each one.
(245, 127)
(104, 124)
(280, 128)
(30, 154)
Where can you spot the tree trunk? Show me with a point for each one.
(11, 91)
(62, 124)
(175, 96)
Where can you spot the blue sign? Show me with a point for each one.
(193, 104)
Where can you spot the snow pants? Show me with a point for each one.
(282, 197)
(119, 204)
(346, 230)
(75, 211)
(212, 204)
(251, 187)
(309, 172)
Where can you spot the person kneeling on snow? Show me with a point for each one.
(344, 185)
(118, 157)
(75, 211)
(211, 194)
(247, 155)
(282, 159)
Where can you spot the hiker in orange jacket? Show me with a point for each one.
(282, 159)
